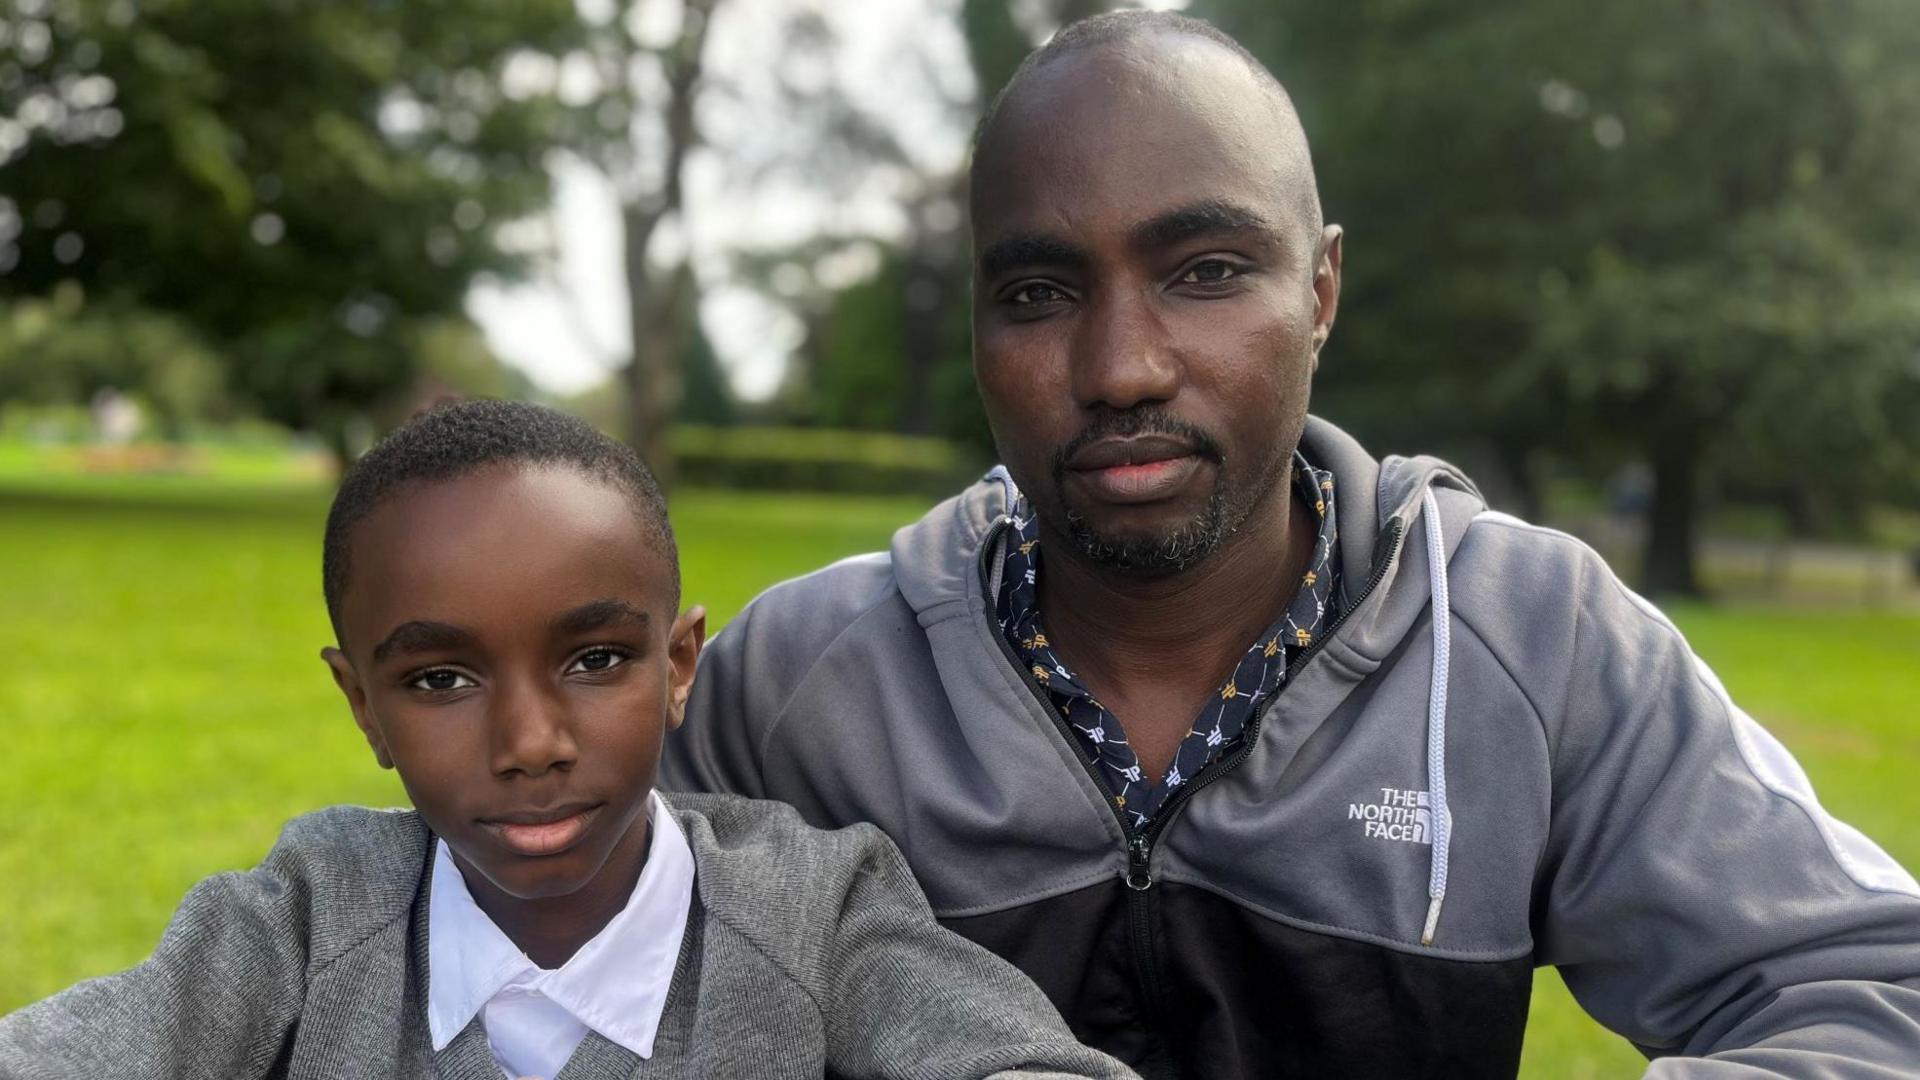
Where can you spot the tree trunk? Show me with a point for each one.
(1070, 11)
(1672, 542)
(657, 299)
(1520, 468)
(652, 375)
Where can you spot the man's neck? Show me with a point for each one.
(1120, 630)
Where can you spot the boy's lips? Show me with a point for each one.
(543, 832)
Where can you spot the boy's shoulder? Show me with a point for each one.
(354, 869)
(761, 869)
(732, 835)
(355, 844)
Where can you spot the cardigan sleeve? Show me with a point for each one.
(906, 998)
(220, 996)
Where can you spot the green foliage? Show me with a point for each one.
(995, 43)
(302, 182)
(1617, 232)
(62, 350)
(820, 459)
(861, 378)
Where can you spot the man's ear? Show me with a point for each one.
(349, 683)
(689, 633)
(1326, 288)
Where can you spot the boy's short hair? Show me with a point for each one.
(451, 441)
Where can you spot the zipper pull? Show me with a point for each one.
(1139, 863)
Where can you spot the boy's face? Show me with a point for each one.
(512, 650)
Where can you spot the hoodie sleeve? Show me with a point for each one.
(910, 1000)
(220, 996)
(1694, 894)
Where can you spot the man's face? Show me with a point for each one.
(1151, 291)
(512, 651)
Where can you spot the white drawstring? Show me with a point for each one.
(1441, 821)
(1000, 473)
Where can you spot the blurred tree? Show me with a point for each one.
(892, 351)
(59, 350)
(1676, 234)
(302, 182)
(634, 122)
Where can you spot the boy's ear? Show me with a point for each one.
(683, 656)
(349, 683)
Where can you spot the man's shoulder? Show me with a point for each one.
(1524, 553)
(837, 592)
(1540, 599)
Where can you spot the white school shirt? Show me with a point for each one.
(535, 1018)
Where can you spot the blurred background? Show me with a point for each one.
(1650, 271)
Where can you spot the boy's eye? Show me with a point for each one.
(598, 660)
(440, 680)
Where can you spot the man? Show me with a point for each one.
(1262, 756)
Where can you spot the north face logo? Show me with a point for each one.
(1401, 814)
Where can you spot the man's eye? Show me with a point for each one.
(1037, 292)
(598, 660)
(1209, 272)
(441, 680)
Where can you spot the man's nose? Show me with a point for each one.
(1122, 356)
(531, 731)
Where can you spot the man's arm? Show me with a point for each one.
(1694, 894)
(911, 1000)
(219, 996)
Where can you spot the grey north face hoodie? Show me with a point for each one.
(1428, 810)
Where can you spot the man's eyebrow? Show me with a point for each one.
(598, 614)
(1021, 250)
(1196, 219)
(421, 635)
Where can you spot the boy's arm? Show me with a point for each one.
(909, 999)
(219, 996)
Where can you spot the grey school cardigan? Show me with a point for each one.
(808, 954)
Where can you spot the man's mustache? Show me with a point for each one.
(1134, 423)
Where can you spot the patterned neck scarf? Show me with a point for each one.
(1223, 719)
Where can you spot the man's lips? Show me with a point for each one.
(1121, 452)
(1137, 470)
(545, 831)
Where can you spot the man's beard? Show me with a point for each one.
(1171, 550)
(1163, 554)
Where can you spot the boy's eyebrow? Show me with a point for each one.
(421, 635)
(595, 614)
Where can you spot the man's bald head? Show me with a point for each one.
(1162, 44)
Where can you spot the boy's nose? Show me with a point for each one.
(531, 732)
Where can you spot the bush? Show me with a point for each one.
(819, 459)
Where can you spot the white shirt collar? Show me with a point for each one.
(616, 984)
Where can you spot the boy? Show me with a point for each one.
(503, 586)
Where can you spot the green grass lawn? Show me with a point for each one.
(166, 710)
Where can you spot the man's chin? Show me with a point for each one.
(1160, 550)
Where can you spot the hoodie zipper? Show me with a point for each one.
(1139, 879)
(1226, 765)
